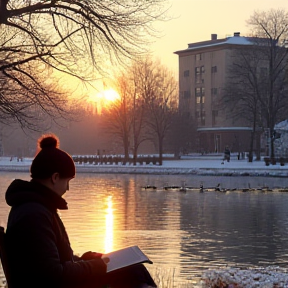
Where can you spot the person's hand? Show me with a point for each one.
(99, 266)
(91, 255)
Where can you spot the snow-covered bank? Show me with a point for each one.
(264, 277)
(193, 166)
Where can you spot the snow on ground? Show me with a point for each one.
(197, 165)
(262, 277)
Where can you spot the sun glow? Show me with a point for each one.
(104, 97)
(109, 226)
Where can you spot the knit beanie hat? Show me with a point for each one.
(50, 159)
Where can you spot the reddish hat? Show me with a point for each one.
(51, 159)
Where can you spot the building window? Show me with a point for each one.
(198, 57)
(202, 91)
(213, 69)
(198, 79)
(200, 116)
(186, 73)
(199, 74)
(200, 95)
(214, 117)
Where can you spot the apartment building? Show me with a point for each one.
(203, 69)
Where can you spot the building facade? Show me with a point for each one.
(203, 69)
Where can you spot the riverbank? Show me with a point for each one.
(190, 165)
(264, 277)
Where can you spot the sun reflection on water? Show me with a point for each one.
(109, 226)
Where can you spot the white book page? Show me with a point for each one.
(125, 257)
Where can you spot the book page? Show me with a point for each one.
(125, 257)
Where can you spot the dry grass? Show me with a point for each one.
(166, 278)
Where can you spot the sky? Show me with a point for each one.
(196, 20)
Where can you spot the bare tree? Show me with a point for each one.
(273, 26)
(244, 88)
(41, 37)
(257, 82)
(148, 100)
(138, 120)
(182, 135)
(117, 117)
(26, 99)
(125, 118)
(158, 89)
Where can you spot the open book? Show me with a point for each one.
(125, 257)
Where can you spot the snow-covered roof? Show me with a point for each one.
(282, 125)
(238, 40)
(233, 40)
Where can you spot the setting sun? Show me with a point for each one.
(104, 97)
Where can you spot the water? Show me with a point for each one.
(182, 233)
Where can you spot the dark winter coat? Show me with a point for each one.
(38, 247)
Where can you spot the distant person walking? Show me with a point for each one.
(226, 155)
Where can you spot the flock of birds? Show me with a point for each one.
(217, 188)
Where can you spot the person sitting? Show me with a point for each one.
(37, 245)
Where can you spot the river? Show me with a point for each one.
(182, 233)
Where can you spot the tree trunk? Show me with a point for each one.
(272, 147)
(258, 146)
(250, 156)
(135, 157)
(160, 152)
(126, 151)
(3, 11)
